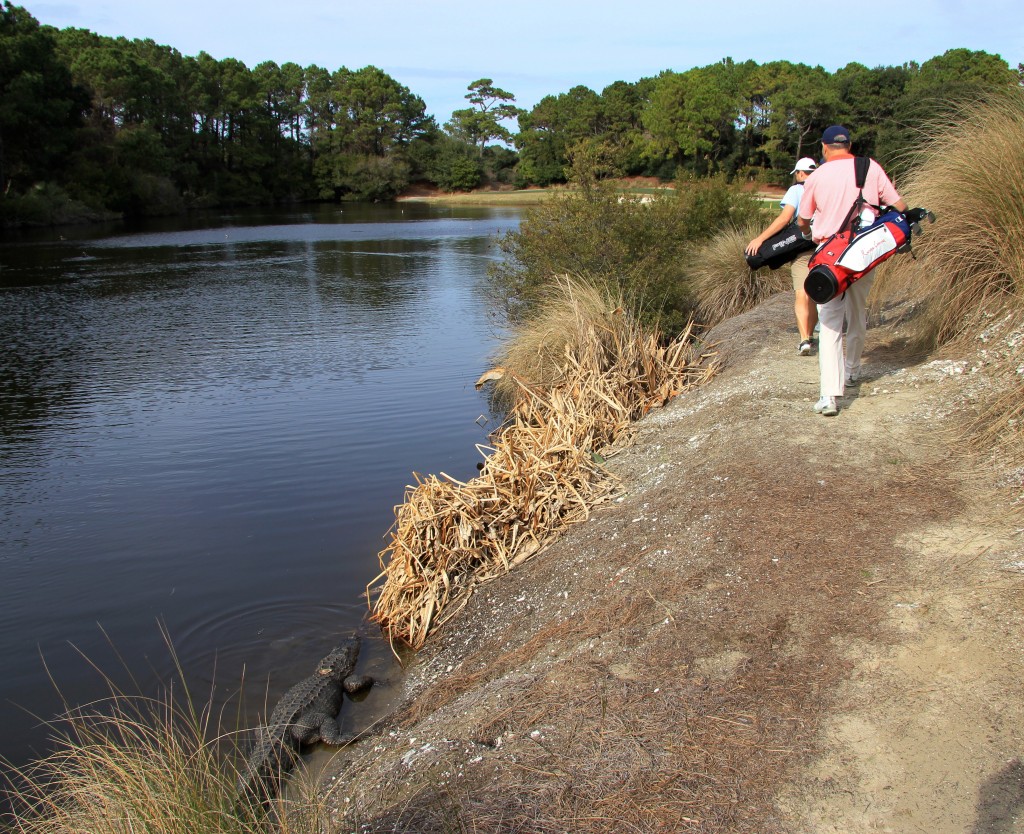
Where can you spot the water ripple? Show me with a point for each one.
(211, 427)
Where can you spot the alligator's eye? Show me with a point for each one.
(324, 670)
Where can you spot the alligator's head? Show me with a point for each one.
(340, 661)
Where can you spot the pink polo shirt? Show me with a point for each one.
(831, 189)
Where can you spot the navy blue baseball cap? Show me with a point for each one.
(835, 135)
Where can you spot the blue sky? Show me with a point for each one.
(534, 48)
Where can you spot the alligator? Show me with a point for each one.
(307, 713)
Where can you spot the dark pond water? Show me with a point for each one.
(207, 425)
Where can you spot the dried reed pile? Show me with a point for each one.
(544, 470)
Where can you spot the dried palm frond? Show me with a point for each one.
(543, 471)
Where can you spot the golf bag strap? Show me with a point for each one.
(860, 169)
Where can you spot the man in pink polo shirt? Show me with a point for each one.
(829, 193)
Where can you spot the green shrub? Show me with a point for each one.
(457, 173)
(371, 178)
(345, 176)
(709, 205)
(46, 204)
(500, 164)
(456, 166)
(638, 246)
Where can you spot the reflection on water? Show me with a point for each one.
(208, 424)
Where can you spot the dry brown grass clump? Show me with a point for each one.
(574, 378)
(722, 283)
(998, 422)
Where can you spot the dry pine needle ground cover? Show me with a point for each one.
(785, 623)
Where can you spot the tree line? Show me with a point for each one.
(135, 127)
(747, 120)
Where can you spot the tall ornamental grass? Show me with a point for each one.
(130, 764)
(970, 263)
(580, 313)
(723, 285)
(967, 281)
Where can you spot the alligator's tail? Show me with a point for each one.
(260, 780)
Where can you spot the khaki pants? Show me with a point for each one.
(799, 269)
(834, 363)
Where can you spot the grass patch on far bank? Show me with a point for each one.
(517, 197)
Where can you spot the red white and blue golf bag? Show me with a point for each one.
(853, 252)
